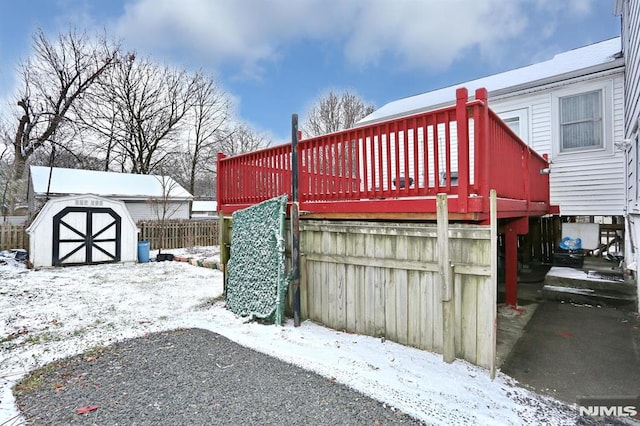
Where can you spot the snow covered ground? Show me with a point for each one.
(50, 314)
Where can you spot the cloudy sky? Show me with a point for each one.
(276, 56)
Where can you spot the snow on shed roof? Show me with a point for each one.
(560, 67)
(204, 206)
(119, 185)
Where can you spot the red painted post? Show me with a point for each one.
(511, 265)
(462, 125)
(526, 165)
(483, 160)
(219, 178)
(515, 227)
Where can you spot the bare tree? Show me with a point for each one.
(138, 113)
(61, 156)
(243, 139)
(54, 78)
(210, 116)
(163, 206)
(97, 120)
(5, 173)
(333, 112)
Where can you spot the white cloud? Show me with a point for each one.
(249, 33)
(582, 7)
(430, 34)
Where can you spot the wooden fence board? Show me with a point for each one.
(361, 286)
(378, 308)
(341, 290)
(432, 323)
(402, 283)
(179, 233)
(469, 319)
(485, 321)
(327, 280)
(457, 306)
(13, 237)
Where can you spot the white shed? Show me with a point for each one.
(82, 230)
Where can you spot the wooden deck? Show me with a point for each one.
(394, 169)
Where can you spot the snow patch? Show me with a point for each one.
(50, 314)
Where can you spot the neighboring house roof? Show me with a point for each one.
(204, 206)
(584, 60)
(107, 184)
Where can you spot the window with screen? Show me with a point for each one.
(581, 124)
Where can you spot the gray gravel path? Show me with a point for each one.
(193, 377)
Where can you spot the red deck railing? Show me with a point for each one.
(398, 166)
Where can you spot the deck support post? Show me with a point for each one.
(511, 266)
(446, 277)
(511, 231)
(224, 240)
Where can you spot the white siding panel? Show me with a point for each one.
(589, 185)
(631, 49)
(541, 125)
(631, 22)
(618, 109)
(141, 210)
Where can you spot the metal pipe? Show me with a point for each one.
(295, 222)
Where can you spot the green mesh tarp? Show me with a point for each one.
(256, 281)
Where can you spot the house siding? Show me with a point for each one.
(602, 192)
(541, 124)
(631, 49)
(142, 210)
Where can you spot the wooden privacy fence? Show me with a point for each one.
(13, 237)
(384, 279)
(429, 285)
(179, 233)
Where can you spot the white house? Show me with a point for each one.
(145, 196)
(569, 107)
(81, 230)
(630, 12)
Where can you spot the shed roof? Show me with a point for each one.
(572, 63)
(106, 184)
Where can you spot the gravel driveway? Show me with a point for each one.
(195, 377)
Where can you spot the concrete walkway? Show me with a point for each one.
(570, 351)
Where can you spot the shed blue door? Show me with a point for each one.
(86, 235)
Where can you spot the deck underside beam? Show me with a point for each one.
(423, 209)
